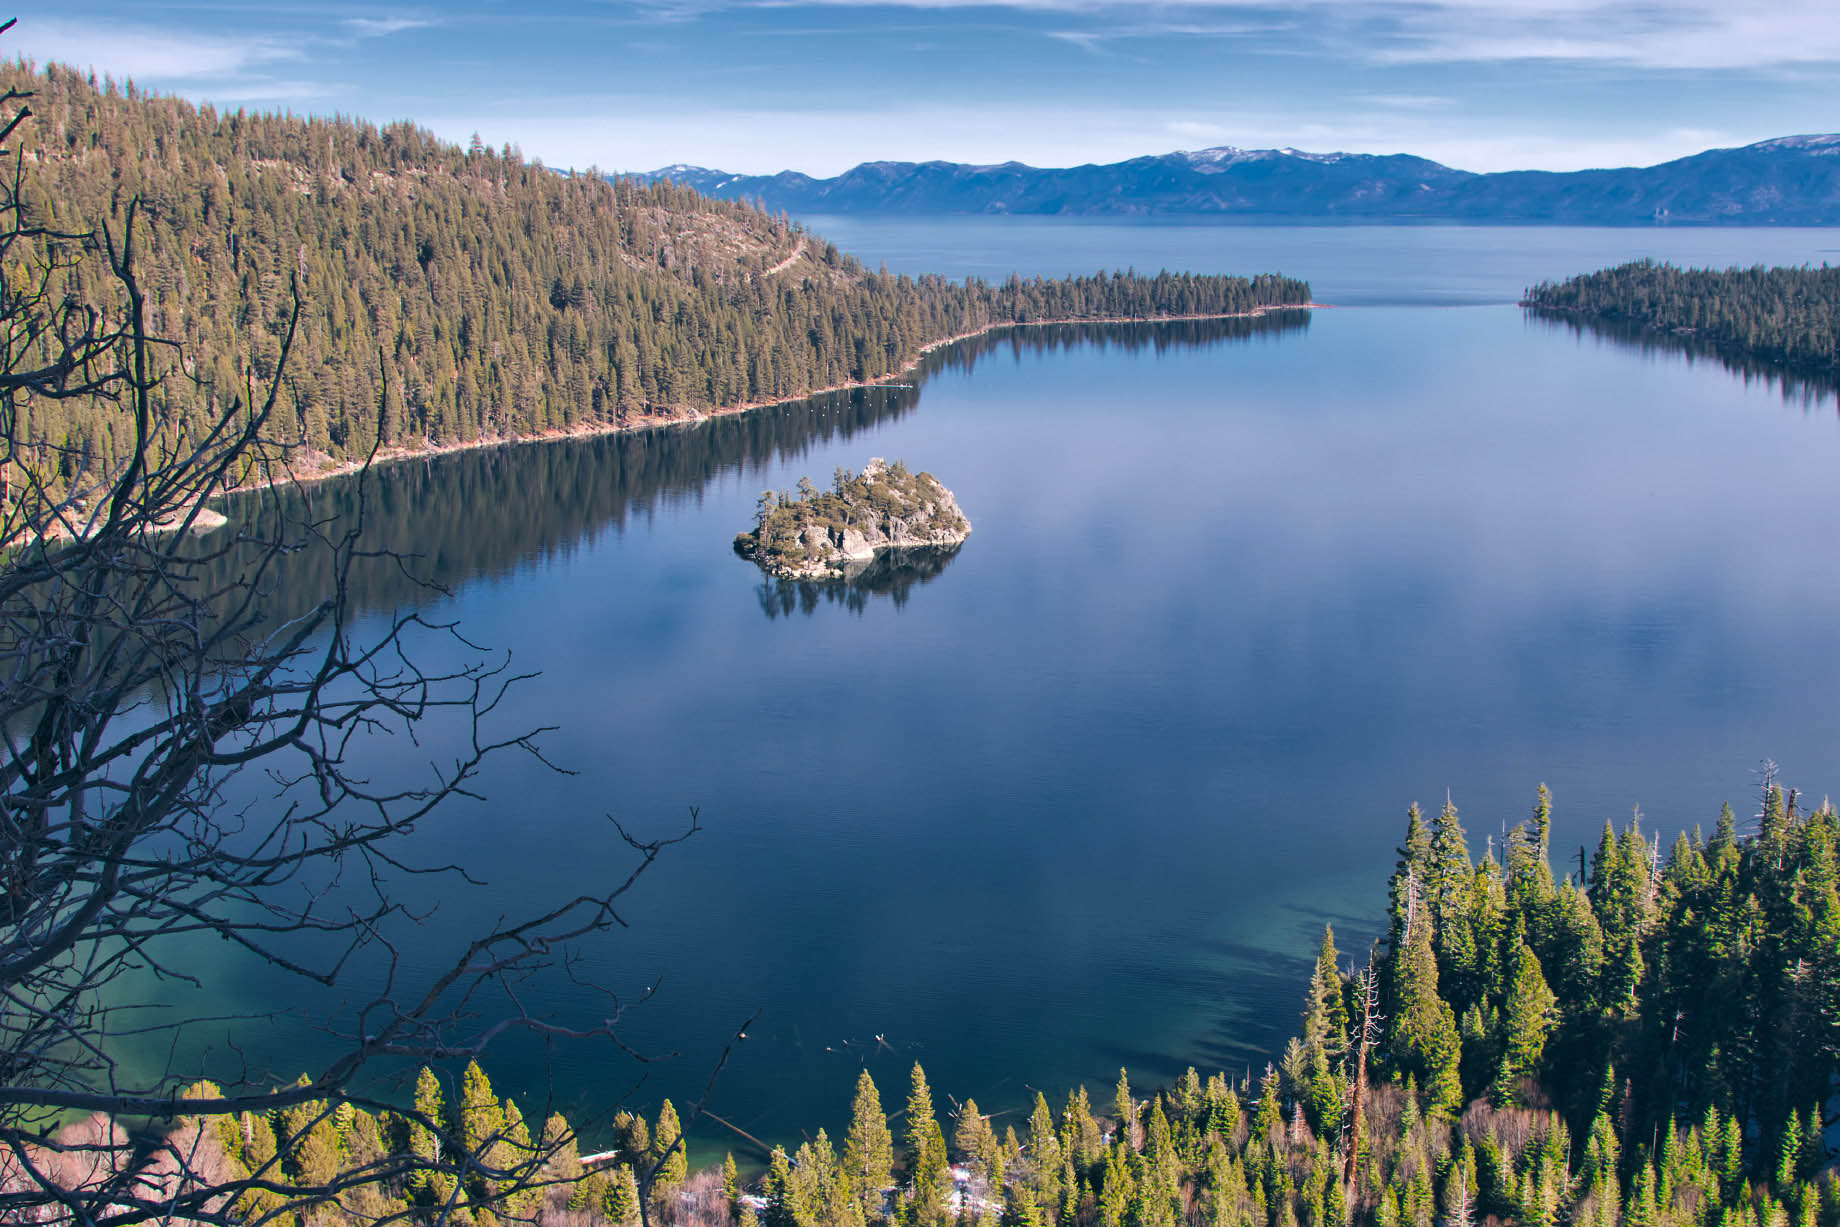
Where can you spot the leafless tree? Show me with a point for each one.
(142, 676)
(1367, 991)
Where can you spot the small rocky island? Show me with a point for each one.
(836, 533)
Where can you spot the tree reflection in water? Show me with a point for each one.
(448, 520)
(892, 573)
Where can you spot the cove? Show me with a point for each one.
(1239, 592)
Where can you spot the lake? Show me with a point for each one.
(1084, 796)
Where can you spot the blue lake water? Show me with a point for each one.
(1235, 596)
(1346, 265)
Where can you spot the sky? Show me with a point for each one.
(757, 86)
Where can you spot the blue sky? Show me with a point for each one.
(763, 85)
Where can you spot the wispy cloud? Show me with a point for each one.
(377, 27)
(147, 53)
(1681, 34)
(263, 90)
(1407, 102)
(1657, 34)
(1101, 39)
(1085, 40)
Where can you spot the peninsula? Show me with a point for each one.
(1782, 316)
(834, 534)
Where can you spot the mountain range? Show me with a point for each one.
(1790, 181)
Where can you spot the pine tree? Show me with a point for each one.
(672, 1165)
(1223, 1109)
(925, 1152)
(787, 1199)
(424, 1142)
(1118, 1193)
(1411, 877)
(1124, 1110)
(1788, 1153)
(1044, 1154)
(561, 1151)
(1527, 1018)
(1268, 1119)
(310, 1142)
(868, 1148)
(622, 1201)
(1422, 1034)
(1020, 1208)
(479, 1120)
(1082, 1141)
(977, 1145)
(632, 1137)
(1452, 935)
(1325, 1016)
(1160, 1184)
(517, 1194)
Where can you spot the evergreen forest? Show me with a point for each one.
(471, 293)
(1652, 1043)
(1780, 315)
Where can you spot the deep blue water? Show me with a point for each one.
(1234, 598)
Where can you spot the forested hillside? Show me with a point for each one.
(1653, 1045)
(496, 298)
(1786, 315)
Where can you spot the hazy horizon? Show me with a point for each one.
(819, 86)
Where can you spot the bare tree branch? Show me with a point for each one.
(144, 683)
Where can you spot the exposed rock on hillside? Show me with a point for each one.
(836, 534)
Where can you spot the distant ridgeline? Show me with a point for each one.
(1654, 1044)
(1790, 181)
(1782, 315)
(504, 299)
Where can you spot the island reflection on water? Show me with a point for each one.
(892, 573)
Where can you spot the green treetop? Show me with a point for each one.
(925, 1152)
(673, 1163)
(868, 1149)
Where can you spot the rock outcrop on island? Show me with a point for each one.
(837, 533)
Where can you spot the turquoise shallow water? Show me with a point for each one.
(1084, 796)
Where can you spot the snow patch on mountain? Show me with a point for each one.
(1228, 155)
(1826, 144)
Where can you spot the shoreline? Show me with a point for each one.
(1731, 353)
(689, 417)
